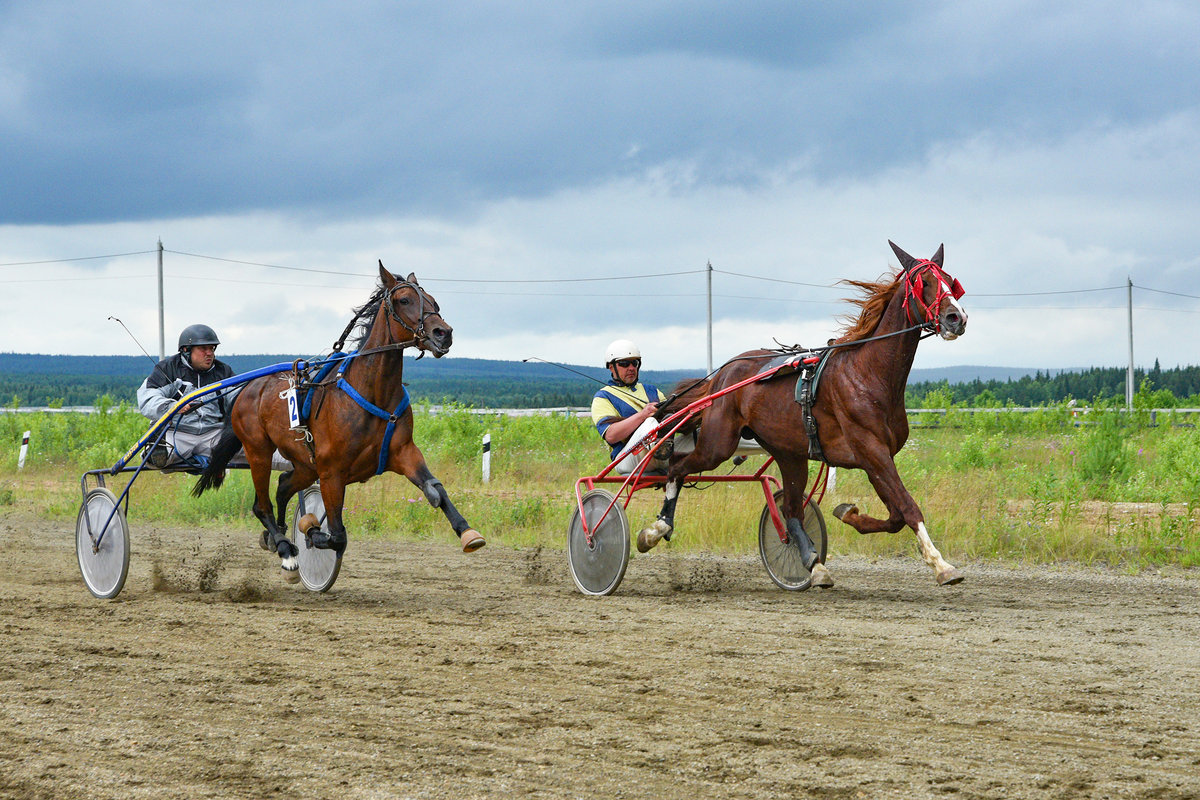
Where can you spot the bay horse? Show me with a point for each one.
(355, 434)
(858, 408)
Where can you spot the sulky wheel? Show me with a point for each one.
(104, 566)
(318, 567)
(597, 569)
(782, 560)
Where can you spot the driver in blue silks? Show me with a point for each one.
(199, 423)
(623, 411)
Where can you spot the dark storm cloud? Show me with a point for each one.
(134, 111)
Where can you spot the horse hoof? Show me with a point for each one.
(471, 540)
(821, 577)
(307, 523)
(265, 542)
(291, 569)
(845, 508)
(950, 577)
(649, 537)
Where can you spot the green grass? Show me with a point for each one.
(1026, 488)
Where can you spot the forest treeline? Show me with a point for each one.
(65, 381)
(1177, 387)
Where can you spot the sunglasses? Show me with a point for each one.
(628, 362)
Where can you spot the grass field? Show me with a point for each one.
(1036, 488)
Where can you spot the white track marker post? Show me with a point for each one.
(24, 450)
(487, 457)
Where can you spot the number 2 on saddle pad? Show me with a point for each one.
(293, 407)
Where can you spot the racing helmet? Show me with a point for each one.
(197, 334)
(621, 348)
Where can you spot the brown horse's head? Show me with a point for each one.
(931, 295)
(412, 315)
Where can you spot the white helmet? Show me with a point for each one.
(621, 348)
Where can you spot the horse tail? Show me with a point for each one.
(683, 393)
(222, 453)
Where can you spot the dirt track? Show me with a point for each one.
(429, 673)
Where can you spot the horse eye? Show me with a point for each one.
(404, 301)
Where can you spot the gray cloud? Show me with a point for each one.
(132, 112)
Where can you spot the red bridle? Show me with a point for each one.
(914, 288)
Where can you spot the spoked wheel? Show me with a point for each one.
(598, 569)
(318, 568)
(782, 559)
(104, 568)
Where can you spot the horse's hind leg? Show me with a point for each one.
(714, 445)
(274, 537)
(662, 527)
(794, 471)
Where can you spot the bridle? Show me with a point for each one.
(419, 333)
(914, 289)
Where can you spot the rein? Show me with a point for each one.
(419, 335)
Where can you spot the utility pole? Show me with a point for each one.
(1129, 372)
(162, 340)
(710, 316)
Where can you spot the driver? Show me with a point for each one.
(199, 423)
(623, 410)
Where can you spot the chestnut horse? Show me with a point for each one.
(859, 410)
(355, 434)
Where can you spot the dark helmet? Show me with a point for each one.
(197, 334)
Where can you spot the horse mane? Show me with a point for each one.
(872, 302)
(364, 316)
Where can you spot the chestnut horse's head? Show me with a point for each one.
(412, 315)
(931, 295)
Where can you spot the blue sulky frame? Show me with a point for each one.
(103, 562)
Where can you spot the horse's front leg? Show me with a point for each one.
(412, 466)
(902, 510)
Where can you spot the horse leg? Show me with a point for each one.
(794, 472)
(902, 510)
(661, 528)
(333, 495)
(714, 445)
(412, 466)
(288, 485)
(274, 537)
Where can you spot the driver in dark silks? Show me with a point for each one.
(199, 423)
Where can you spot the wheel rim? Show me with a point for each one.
(318, 568)
(598, 568)
(103, 570)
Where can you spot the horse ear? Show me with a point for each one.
(412, 277)
(906, 261)
(939, 256)
(388, 279)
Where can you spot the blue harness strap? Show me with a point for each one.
(371, 408)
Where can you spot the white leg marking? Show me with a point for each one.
(930, 553)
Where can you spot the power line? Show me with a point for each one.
(80, 258)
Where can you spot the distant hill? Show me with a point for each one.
(39, 380)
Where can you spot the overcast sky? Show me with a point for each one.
(512, 154)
